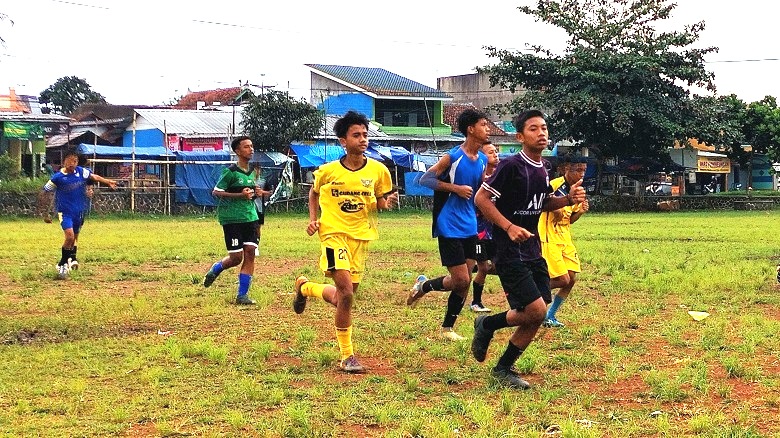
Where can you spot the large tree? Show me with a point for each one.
(274, 119)
(68, 93)
(620, 85)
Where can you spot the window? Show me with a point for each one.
(411, 113)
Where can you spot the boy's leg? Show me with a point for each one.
(250, 239)
(245, 276)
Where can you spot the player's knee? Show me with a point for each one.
(234, 259)
(345, 296)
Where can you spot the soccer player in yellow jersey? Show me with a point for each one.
(348, 192)
(558, 249)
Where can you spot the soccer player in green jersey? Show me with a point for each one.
(237, 214)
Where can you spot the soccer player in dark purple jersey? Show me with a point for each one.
(521, 188)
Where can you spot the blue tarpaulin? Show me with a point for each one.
(412, 185)
(125, 152)
(198, 180)
(315, 156)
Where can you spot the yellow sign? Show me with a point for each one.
(713, 165)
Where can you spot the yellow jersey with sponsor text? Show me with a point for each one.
(347, 198)
(555, 226)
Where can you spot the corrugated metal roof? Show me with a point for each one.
(185, 122)
(20, 117)
(380, 81)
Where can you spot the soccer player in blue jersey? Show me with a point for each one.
(236, 212)
(521, 189)
(69, 187)
(455, 179)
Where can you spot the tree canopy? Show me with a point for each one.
(620, 84)
(68, 93)
(274, 119)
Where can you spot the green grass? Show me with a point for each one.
(83, 357)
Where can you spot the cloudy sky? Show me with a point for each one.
(150, 52)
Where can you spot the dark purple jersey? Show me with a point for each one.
(520, 186)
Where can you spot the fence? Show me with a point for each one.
(106, 201)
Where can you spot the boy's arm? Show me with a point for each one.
(43, 208)
(109, 182)
(387, 201)
(576, 195)
(491, 213)
(314, 206)
(431, 179)
(584, 207)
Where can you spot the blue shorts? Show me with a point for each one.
(71, 220)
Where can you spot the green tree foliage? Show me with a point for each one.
(620, 84)
(718, 121)
(274, 119)
(762, 127)
(68, 93)
(730, 122)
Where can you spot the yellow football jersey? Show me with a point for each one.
(348, 198)
(555, 226)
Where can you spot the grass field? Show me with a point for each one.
(133, 346)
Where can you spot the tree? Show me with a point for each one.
(274, 119)
(68, 93)
(762, 128)
(620, 85)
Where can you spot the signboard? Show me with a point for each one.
(202, 144)
(27, 131)
(713, 165)
(173, 142)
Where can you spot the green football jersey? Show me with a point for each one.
(236, 210)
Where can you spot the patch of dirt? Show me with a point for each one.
(142, 430)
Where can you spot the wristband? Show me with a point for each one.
(506, 230)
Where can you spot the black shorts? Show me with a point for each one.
(485, 250)
(239, 235)
(524, 282)
(454, 252)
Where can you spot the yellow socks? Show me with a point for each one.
(344, 338)
(311, 289)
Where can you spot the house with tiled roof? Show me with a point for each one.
(498, 135)
(213, 98)
(409, 113)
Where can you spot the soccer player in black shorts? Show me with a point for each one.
(521, 188)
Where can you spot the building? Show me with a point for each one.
(409, 113)
(25, 129)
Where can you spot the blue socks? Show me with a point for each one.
(244, 280)
(556, 303)
(217, 268)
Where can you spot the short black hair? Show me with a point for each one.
(519, 121)
(350, 118)
(237, 141)
(469, 117)
(70, 152)
(571, 158)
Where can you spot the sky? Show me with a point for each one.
(151, 52)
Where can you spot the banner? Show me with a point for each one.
(27, 131)
(202, 144)
(713, 165)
